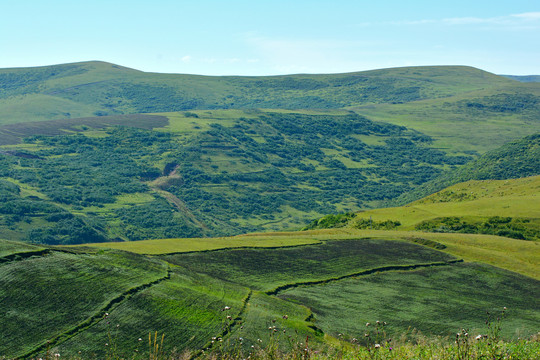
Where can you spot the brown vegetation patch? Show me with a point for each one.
(12, 134)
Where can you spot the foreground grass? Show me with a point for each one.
(44, 297)
(463, 346)
(438, 300)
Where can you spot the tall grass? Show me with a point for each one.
(374, 344)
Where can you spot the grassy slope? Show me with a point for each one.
(480, 129)
(428, 99)
(434, 301)
(186, 309)
(511, 254)
(14, 247)
(170, 307)
(301, 165)
(265, 270)
(49, 295)
(451, 101)
(520, 158)
(76, 90)
(475, 198)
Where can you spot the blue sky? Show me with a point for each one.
(272, 37)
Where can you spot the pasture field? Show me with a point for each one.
(475, 199)
(168, 246)
(13, 247)
(186, 309)
(439, 300)
(47, 296)
(302, 288)
(510, 254)
(497, 113)
(267, 269)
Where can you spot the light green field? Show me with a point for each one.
(167, 246)
(510, 254)
(456, 131)
(14, 247)
(514, 198)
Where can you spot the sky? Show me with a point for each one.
(259, 37)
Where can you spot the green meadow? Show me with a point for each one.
(159, 216)
(265, 296)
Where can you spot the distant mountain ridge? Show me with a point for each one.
(98, 88)
(524, 78)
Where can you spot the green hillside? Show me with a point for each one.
(88, 302)
(220, 172)
(98, 88)
(516, 159)
(203, 173)
(468, 199)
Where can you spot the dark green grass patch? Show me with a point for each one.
(187, 309)
(265, 269)
(270, 321)
(45, 296)
(8, 248)
(437, 301)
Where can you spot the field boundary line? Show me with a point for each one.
(227, 329)
(320, 242)
(19, 256)
(94, 319)
(361, 273)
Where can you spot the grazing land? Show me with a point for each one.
(195, 298)
(429, 300)
(266, 270)
(157, 216)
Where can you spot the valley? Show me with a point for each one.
(221, 214)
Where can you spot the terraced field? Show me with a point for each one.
(97, 302)
(266, 270)
(428, 300)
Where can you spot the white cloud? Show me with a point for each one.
(529, 16)
(186, 59)
(513, 20)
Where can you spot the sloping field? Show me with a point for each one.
(429, 300)
(14, 247)
(48, 297)
(511, 254)
(183, 295)
(484, 198)
(186, 309)
(167, 246)
(267, 270)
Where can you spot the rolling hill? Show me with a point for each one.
(107, 299)
(204, 173)
(98, 88)
(140, 171)
(516, 159)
